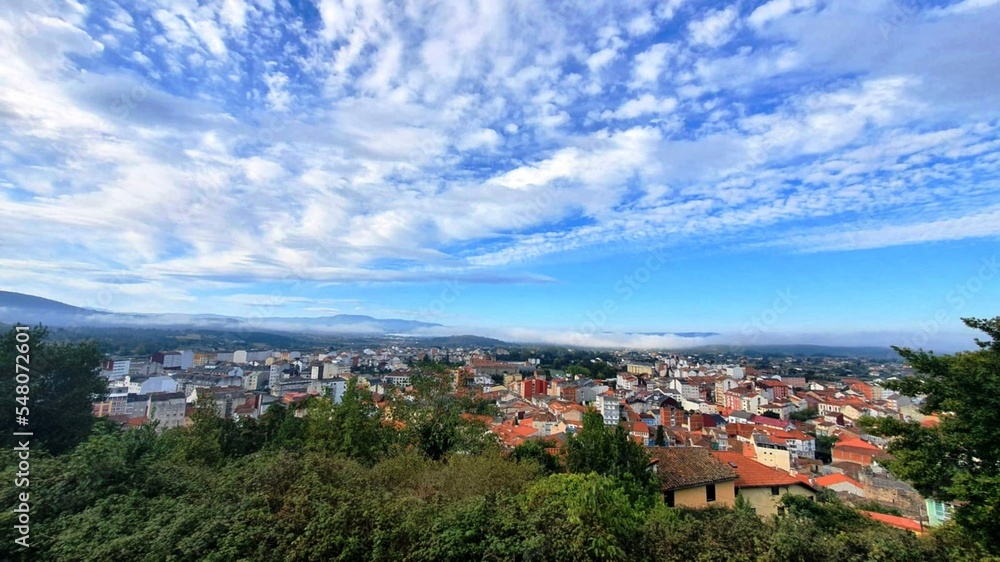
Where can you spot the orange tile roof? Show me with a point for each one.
(895, 521)
(834, 479)
(856, 443)
(753, 474)
(930, 421)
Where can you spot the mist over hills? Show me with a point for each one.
(30, 309)
(68, 319)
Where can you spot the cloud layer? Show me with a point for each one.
(174, 148)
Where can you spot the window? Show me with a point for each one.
(668, 497)
(710, 493)
(775, 491)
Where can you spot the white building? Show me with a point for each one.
(399, 380)
(157, 384)
(610, 408)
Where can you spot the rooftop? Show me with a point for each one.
(686, 467)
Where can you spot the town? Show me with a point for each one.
(750, 426)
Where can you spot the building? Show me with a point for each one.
(856, 451)
(841, 483)
(334, 387)
(639, 369)
(693, 477)
(399, 380)
(174, 359)
(166, 408)
(256, 380)
(763, 486)
(116, 368)
(529, 388)
(609, 407)
(938, 512)
(157, 384)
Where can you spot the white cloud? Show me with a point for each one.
(640, 25)
(483, 138)
(647, 104)
(649, 64)
(776, 9)
(234, 153)
(278, 97)
(715, 29)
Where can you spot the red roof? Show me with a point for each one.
(834, 479)
(859, 443)
(753, 474)
(895, 521)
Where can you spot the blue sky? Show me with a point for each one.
(789, 170)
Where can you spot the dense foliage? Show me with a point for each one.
(415, 479)
(62, 386)
(958, 459)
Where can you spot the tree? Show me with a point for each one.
(533, 450)
(353, 428)
(58, 390)
(661, 438)
(804, 415)
(957, 460)
(610, 451)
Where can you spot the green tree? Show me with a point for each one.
(353, 428)
(610, 451)
(661, 437)
(63, 382)
(580, 517)
(957, 460)
(533, 450)
(804, 415)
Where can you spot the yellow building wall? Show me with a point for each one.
(725, 495)
(777, 458)
(765, 504)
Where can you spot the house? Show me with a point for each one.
(914, 527)
(693, 477)
(856, 451)
(938, 512)
(841, 483)
(166, 408)
(639, 431)
(763, 486)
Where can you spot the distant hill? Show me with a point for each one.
(802, 350)
(462, 341)
(10, 300)
(29, 309)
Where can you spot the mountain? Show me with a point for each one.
(29, 309)
(9, 300)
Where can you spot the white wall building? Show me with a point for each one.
(610, 408)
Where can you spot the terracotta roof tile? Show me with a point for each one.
(895, 521)
(685, 467)
(834, 479)
(753, 474)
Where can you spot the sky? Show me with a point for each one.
(582, 173)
